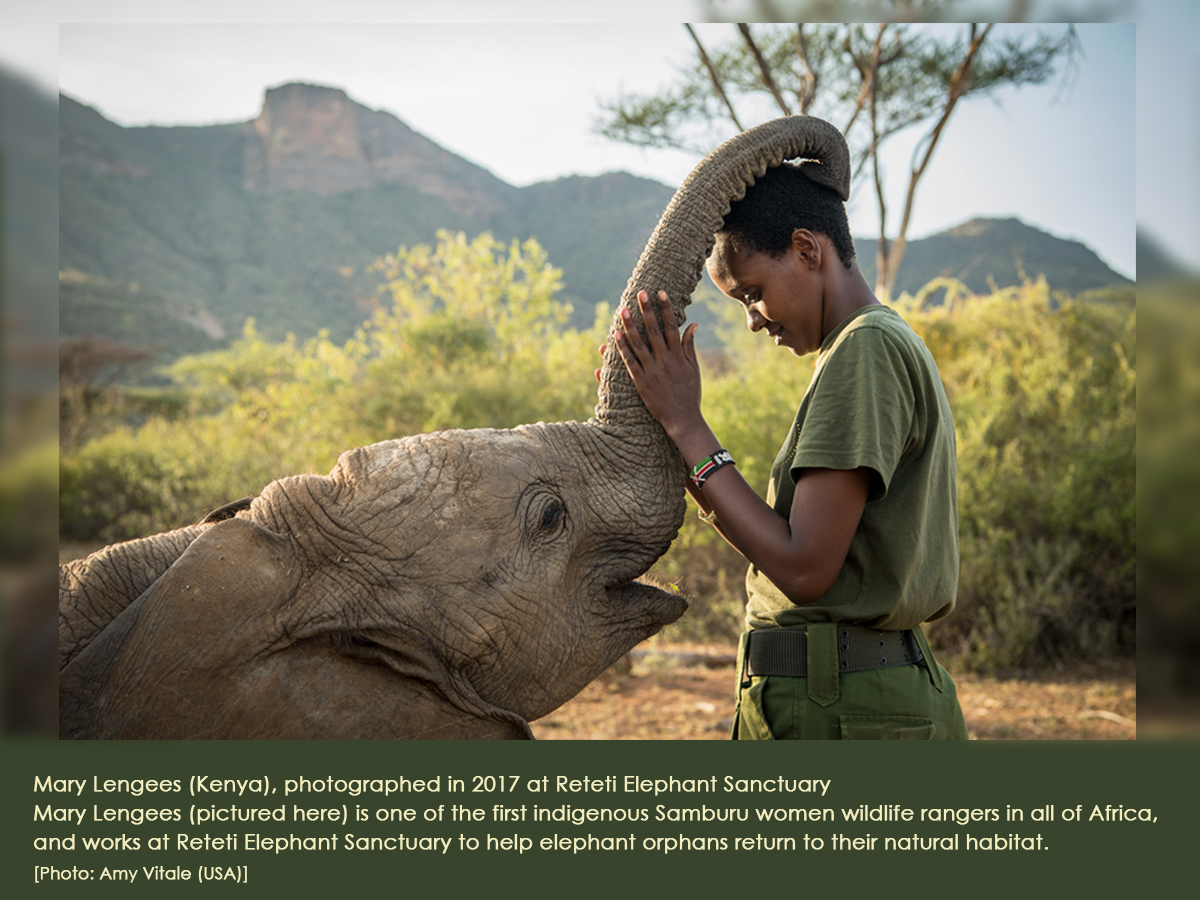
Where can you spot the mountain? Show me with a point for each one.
(264, 218)
(28, 237)
(174, 236)
(1000, 252)
(1155, 263)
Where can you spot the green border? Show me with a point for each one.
(1105, 858)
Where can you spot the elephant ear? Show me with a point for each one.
(228, 511)
(219, 602)
(93, 591)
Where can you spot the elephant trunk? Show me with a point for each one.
(673, 260)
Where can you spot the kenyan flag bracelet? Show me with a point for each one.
(710, 464)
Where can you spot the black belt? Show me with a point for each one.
(784, 651)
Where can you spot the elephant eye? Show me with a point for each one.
(545, 514)
(552, 515)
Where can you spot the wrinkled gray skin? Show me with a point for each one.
(448, 585)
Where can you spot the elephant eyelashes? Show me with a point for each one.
(552, 515)
(546, 514)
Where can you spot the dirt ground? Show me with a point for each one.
(685, 692)
(664, 691)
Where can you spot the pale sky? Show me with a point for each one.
(520, 100)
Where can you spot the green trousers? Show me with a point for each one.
(916, 702)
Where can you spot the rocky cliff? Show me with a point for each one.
(265, 218)
(182, 233)
(314, 138)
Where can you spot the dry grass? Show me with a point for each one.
(685, 692)
(669, 692)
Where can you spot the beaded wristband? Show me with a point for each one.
(710, 464)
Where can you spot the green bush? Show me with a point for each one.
(28, 486)
(452, 318)
(1043, 392)
(470, 333)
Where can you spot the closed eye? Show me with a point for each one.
(545, 514)
(552, 515)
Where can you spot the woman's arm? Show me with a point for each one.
(803, 554)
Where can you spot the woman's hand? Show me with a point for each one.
(663, 367)
(801, 554)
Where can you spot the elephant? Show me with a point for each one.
(452, 585)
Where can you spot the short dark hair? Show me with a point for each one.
(778, 203)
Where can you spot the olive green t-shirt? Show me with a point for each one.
(875, 400)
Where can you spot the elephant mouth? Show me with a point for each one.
(659, 604)
(383, 648)
(373, 646)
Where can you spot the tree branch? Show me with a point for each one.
(882, 252)
(808, 91)
(716, 79)
(888, 80)
(959, 82)
(868, 83)
(764, 71)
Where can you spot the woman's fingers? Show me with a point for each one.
(660, 340)
(623, 341)
(670, 326)
(665, 336)
(653, 332)
(688, 342)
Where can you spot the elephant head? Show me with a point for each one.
(448, 585)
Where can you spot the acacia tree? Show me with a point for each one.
(87, 396)
(873, 80)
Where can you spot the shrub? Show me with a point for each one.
(1043, 393)
(470, 334)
